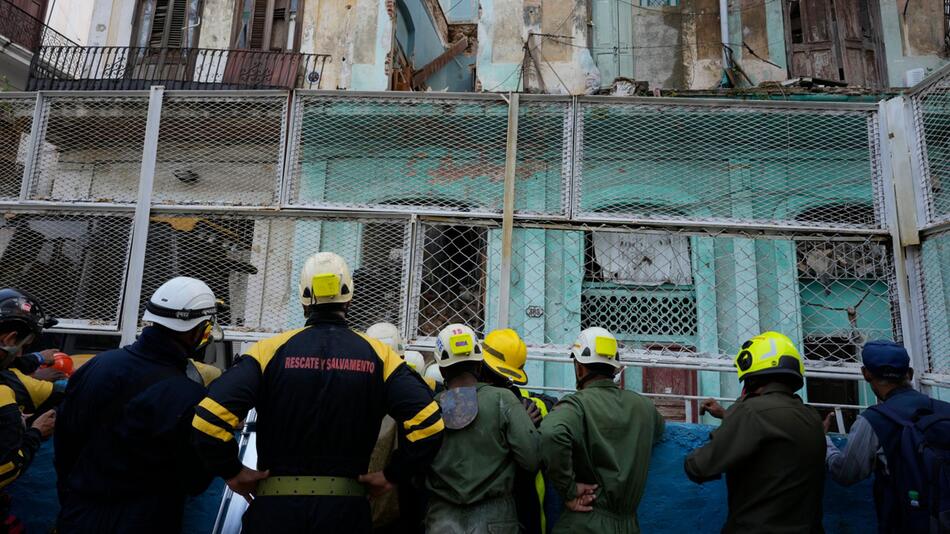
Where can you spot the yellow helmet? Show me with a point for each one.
(769, 353)
(506, 354)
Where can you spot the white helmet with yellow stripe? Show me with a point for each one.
(457, 343)
(415, 360)
(325, 279)
(596, 345)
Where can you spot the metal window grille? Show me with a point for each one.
(220, 149)
(718, 162)
(73, 262)
(90, 148)
(932, 118)
(253, 262)
(16, 119)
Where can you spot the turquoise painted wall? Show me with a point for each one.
(420, 40)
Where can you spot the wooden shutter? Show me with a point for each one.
(259, 32)
(168, 24)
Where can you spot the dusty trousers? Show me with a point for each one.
(286, 514)
(491, 516)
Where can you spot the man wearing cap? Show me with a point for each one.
(123, 455)
(873, 442)
(596, 444)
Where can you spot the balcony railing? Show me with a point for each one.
(28, 31)
(124, 68)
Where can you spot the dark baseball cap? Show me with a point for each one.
(885, 359)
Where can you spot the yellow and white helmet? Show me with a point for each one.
(325, 279)
(596, 345)
(457, 343)
(388, 334)
(433, 372)
(415, 360)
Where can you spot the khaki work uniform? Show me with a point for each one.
(472, 477)
(771, 447)
(601, 435)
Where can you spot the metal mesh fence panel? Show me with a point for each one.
(678, 293)
(74, 263)
(450, 278)
(933, 261)
(220, 149)
(727, 163)
(433, 153)
(543, 168)
(16, 119)
(90, 148)
(932, 117)
(253, 264)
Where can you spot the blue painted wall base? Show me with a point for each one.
(671, 504)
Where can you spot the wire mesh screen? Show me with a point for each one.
(932, 114)
(725, 163)
(543, 167)
(450, 279)
(668, 292)
(253, 264)
(90, 148)
(433, 153)
(220, 150)
(16, 119)
(934, 259)
(74, 263)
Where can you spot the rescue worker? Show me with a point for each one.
(320, 393)
(505, 357)
(123, 454)
(874, 442)
(770, 445)
(434, 374)
(21, 321)
(402, 510)
(596, 444)
(490, 435)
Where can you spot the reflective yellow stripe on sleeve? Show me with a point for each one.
(219, 411)
(6, 468)
(212, 430)
(430, 430)
(420, 417)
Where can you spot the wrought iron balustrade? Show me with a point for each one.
(125, 68)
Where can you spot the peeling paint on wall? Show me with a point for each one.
(216, 21)
(564, 63)
(358, 36)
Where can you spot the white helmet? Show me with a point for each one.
(457, 343)
(433, 372)
(596, 345)
(388, 334)
(324, 279)
(181, 304)
(415, 360)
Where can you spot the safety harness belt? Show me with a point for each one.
(310, 486)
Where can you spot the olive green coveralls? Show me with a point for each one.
(472, 477)
(601, 435)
